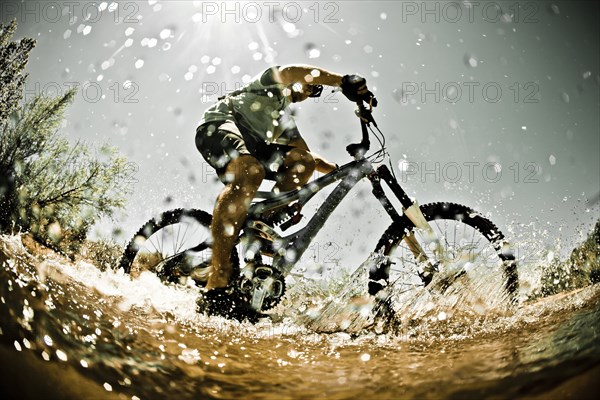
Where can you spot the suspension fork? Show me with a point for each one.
(411, 210)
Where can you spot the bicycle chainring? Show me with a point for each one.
(256, 279)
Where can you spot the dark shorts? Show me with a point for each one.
(220, 146)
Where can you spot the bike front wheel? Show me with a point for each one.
(472, 262)
(175, 245)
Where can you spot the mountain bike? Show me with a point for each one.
(422, 242)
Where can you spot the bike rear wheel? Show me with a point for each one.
(474, 264)
(172, 245)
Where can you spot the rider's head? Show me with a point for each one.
(300, 92)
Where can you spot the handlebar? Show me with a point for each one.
(358, 150)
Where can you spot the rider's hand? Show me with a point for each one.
(354, 87)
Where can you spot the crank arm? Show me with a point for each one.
(260, 292)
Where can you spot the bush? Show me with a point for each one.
(13, 59)
(49, 187)
(581, 269)
(103, 253)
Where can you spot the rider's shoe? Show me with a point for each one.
(200, 273)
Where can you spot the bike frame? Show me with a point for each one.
(287, 250)
(290, 248)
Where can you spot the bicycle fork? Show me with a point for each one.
(413, 212)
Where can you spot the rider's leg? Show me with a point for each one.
(245, 175)
(298, 167)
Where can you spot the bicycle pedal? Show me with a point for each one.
(426, 278)
(428, 272)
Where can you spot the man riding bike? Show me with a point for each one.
(250, 135)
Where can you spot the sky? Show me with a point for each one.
(491, 104)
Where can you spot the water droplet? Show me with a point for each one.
(471, 60)
(228, 229)
(441, 316)
(61, 355)
(365, 357)
(552, 159)
(383, 16)
(312, 51)
(565, 97)
(139, 64)
(165, 33)
(289, 28)
(403, 165)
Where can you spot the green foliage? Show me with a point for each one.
(581, 269)
(52, 188)
(104, 253)
(13, 59)
(59, 189)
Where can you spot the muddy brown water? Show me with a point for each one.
(68, 330)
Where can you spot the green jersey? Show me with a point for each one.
(260, 107)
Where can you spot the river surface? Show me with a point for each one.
(69, 330)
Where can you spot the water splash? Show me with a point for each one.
(144, 339)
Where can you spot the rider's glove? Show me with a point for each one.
(354, 87)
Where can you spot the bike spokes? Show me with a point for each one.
(174, 249)
(464, 254)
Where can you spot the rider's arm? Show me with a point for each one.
(289, 74)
